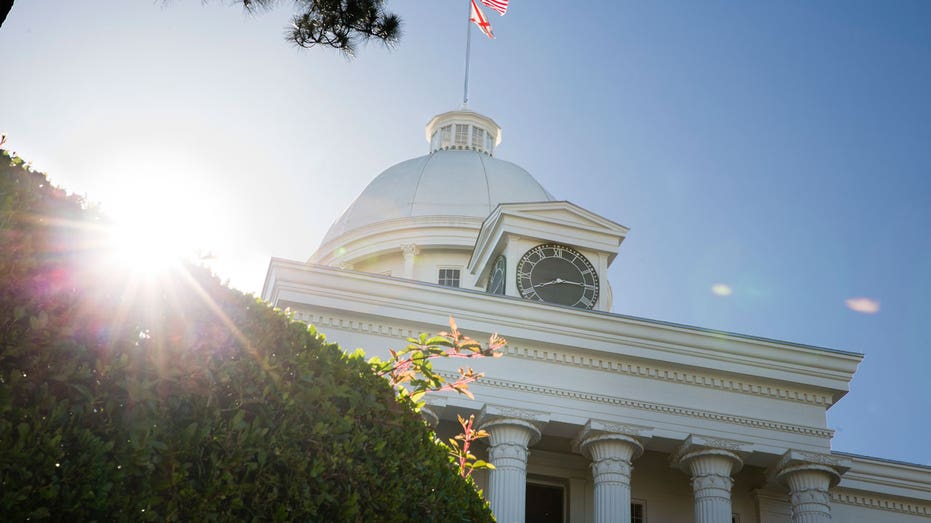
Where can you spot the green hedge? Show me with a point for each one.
(127, 400)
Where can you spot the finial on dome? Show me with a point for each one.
(463, 130)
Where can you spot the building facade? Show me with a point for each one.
(593, 416)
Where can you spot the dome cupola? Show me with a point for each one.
(463, 131)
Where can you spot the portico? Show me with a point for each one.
(603, 491)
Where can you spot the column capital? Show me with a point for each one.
(809, 476)
(795, 461)
(410, 250)
(600, 433)
(532, 421)
(699, 446)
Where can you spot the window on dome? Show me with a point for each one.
(445, 136)
(478, 138)
(448, 277)
(462, 134)
(488, 143)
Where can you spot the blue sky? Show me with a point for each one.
(782, 149)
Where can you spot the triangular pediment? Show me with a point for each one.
(555, 221)
(560, 212)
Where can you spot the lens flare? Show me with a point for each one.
(722, 289)
(863, 305)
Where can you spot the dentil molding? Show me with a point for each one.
(873, 501)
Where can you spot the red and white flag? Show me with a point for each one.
(478, 17)
(498, 5)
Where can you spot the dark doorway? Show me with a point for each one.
(545, 503)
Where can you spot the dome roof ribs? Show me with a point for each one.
(487, 185)
(416, 190)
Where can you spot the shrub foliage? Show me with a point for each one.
(126, 398)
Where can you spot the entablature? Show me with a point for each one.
(657, 348)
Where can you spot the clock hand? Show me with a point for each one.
(558, 280)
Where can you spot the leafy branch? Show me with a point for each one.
(410, 372)
(460, 451)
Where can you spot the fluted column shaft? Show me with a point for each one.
(611, 456)
(711, 483)
(808, 491)
(507, 483)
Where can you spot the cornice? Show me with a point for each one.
(870, 500)
(615, 365)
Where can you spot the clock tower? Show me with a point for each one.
(553, 252)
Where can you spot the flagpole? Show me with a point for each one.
(465, 88)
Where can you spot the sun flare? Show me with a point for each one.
(159, 222)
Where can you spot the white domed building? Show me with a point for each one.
(593, 416)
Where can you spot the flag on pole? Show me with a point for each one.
(478, 17)
(498, 5)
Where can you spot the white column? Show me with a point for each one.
(710, 463)
(809, 478)
(611, 455)
(410, 254)
(507, 485)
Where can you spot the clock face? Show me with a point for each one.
(496, 278)
(557, 274)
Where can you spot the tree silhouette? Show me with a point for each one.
(5, 6)
(340, 24)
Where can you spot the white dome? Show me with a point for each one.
(458, 183)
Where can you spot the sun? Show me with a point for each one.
(145, 245)
(158, 223)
